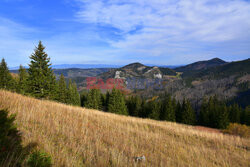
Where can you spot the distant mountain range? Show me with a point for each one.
(88, 66)
(228, 80)
(80, 66)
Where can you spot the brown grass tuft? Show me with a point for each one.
(76, 136)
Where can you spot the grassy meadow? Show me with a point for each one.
(76, 136)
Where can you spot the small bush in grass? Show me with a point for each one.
(238, 129)
(39, 159)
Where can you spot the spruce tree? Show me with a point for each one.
(234, 113)
(6, 80)
(245, 116)
(62, 89)
(222, 120)
(174, 104)
(41, 80)
(143, 111)
(167, 112)
(94, 99)
(116, 103)
(83, 97)
(204, 114)
(218, 113)
(76, 95)
(178, 112)
(22, 81)
(188, 113)
(153, 108)
(70, 93)
(134, 105)
(104, 101)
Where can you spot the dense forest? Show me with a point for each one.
(39, 81)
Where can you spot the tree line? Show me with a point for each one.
(39, 80)
(213, 113)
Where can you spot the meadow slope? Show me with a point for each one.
(76, 136)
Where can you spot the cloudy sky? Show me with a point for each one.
(165, 32)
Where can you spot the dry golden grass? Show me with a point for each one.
(75, 136)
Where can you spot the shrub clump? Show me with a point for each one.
(238, 130)
(10, 141)
(39, 159)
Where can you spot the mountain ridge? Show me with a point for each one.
(201, 65)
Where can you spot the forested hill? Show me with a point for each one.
(223, 70)
(138, 70)
(201, 65)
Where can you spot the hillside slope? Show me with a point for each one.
(201, 65)
(138, 70)
(77, 136)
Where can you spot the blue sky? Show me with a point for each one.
(164, 32)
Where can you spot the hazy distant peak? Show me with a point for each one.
(202, 65)
(216, 59)
(134, 65)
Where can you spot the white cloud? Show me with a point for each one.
(14, 46)
(168, 26)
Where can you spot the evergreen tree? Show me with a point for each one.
(204, 114)
(174, 104)
(188, 114)
(41, 80)
(72, 94)
(222, 117)
(6, 80)
(218, 114)
(22, 81)
(143, 111)
(106, 102)
(134, 105)
(167, 112)
(178, 112)
(94, 99)
(116, 103)
(83, 98)
(153, 109)
(103, 102)
(76, 96)
(234, 113)
(62, 89)
(245, 116)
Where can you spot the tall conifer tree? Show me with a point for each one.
(188, 113)
(234, 113)
(41, 80)
(22, 81)
(167, 112)
(178, 112)
(76, 95)
(70, 93)
(62, 90)
(116, 103)
(6, 80)
(204, 114)
(153, 109)
(134, 105)
(94, 99)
